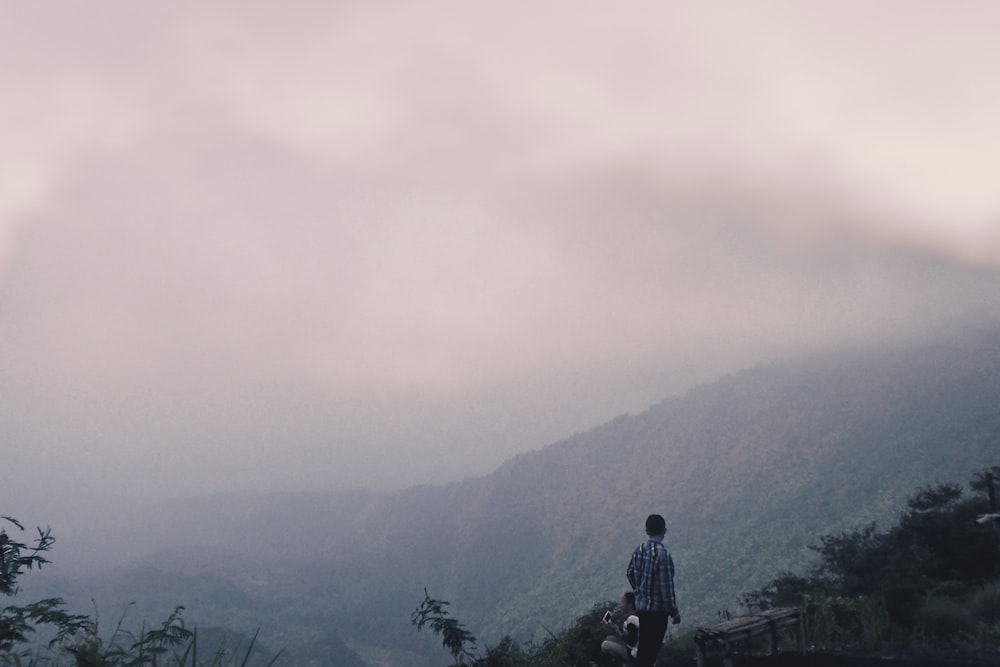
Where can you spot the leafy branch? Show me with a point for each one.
(454, 637)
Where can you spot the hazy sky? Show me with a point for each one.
(303, 245)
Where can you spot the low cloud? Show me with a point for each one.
(324, 246)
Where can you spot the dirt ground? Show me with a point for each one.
(816, 659)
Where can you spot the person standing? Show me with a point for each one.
(651, 574)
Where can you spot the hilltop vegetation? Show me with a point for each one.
(933, 579)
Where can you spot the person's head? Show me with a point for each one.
(628, 602)
(656, 526)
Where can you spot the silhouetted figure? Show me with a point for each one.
(651, 573)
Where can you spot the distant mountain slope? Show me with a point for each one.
(748, 470)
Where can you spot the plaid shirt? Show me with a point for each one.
(651, 573)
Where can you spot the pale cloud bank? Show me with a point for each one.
(382, 243)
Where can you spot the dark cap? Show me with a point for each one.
(655, 525)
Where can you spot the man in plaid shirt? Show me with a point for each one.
(651, 573)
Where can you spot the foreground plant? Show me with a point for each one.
(76, 637)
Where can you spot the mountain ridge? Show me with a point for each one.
(749, 470)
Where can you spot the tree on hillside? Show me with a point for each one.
(986, 481)
(935, 575)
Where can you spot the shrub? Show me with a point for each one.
(946, 621)
(985, 603)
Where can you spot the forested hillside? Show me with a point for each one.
(749, 471)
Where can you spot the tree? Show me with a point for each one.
(852, 561)
(934, 498)
(986, 481)
(908, 580)
(454, 637)
(18, 622)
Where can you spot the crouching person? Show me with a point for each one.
(625, 642)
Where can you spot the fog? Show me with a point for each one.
(309, 246)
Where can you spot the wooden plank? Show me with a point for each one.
(742, 629)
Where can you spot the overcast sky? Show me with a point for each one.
(304, 245)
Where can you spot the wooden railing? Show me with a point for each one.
(743, 628)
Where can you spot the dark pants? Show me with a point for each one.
(652, 628)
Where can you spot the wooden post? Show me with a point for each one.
(991, 490)
(800, 633)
